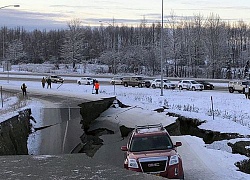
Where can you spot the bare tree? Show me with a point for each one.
(74, 43)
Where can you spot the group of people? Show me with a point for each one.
(48, 82)
(96, 85)
(24, 87)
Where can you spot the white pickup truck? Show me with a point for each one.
(237, 85)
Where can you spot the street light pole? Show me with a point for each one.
(3, 48)
(162, 48)
(15, 5)
(113, 49)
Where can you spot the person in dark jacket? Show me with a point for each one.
(24, 87)
(49, 83)
(43, 82)
(93, 83)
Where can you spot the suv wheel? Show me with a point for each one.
(231, 90)
(79, 82)
(193, 89)
(153, 86)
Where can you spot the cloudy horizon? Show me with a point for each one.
(55, 14)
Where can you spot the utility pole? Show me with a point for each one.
(162, 48)
(16, 5)
(113, 49)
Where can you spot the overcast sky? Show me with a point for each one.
(55, 14)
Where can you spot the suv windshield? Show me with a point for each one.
(245, 83)
(150, 143)
(140, 78)
(167, 81)
(194, 82)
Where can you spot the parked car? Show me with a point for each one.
(207, 85)
(190, 85)
(150, 150)
(85, 80)
(136, 81)
(237, 85)
(156, 83)
(116, 80)
(55, 78)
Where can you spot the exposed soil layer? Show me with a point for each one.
(244, 166)
(189, 126)
(14, 134)
(240, 148)
(92, 142)
(92, 110)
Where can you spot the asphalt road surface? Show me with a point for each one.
(103, 79)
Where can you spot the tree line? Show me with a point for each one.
(192, 47)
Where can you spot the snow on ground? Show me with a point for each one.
(231, 110)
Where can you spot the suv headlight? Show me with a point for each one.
(132, 163)
(173, 160)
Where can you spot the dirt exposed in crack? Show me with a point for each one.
(240, 147)
(189, 126)
(244, 166)
(92, 142)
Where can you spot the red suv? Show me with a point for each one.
(151, 150)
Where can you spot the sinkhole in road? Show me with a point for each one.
(62, 133)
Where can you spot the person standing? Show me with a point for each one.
(246, 91)
(49, 83)
(24, 87)
(97, 86)
(43, 82)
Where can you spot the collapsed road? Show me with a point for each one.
(105, 136)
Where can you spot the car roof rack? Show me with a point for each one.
(149, 127)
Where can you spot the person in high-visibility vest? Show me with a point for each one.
(97, 86)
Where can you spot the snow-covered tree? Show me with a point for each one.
(72, 50)
(15, 52)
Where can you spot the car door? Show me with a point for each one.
(186, 84)
(83, 80)
(158, 83)
(134, 81)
